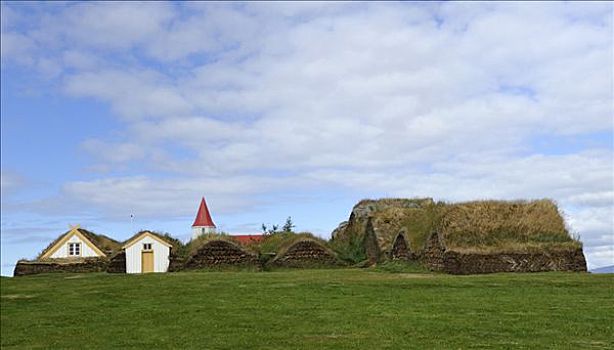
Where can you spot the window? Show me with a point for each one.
(146, 246)
(74, 249)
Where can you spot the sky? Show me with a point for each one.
(272, 110)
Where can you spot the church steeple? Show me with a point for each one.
(203, 224)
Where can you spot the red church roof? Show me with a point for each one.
(247, 239)
(203, 218)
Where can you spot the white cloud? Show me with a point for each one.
(600, 256)
(175, 197)
(133, 95)
(16, 47)
(81, 60)
(118, 25)
(114, 152)
(593, 199)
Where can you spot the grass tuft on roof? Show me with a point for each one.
(506, 226)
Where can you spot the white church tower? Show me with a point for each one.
(203, 224)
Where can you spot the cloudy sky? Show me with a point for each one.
(299, 109)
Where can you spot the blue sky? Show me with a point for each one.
(299, 109)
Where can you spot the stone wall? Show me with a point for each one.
(437, 258)
(306, 253)
(28, 267)
(117, 264)
(433, 254)
(400, 249)
(220, 253)
(464, 264)
(175, 263)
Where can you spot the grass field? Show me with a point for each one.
(308, 309)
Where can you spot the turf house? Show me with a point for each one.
(464, 238)
(147, 252)
(77, 250)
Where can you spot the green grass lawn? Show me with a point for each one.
(308, 309)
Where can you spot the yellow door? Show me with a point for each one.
(147, 261)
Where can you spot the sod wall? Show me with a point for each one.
(220, 253)
(117, 264)
(433, 254)
(465, 264)
(401, 250)
(33, 267)
(305, 253)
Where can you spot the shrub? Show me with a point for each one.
(350, 248)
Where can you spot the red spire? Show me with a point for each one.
(203, 218)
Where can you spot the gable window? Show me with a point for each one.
(146, 246)
(74, 249)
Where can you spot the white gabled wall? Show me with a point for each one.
(202, 230)
(160, 252)
(62, 251)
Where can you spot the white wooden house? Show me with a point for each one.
(76, 243)
(147, 252)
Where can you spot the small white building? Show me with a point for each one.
(73, 244)
(203, 224)
(147, 252)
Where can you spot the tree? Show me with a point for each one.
(288, 226)
(267, 231)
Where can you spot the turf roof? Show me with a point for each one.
(477, 226)
(102, 242)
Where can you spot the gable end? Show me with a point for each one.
(67, 236)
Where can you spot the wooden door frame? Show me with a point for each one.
(148, 252)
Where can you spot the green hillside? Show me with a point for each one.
(308, 309)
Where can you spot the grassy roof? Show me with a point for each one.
(415, 217)
(174, 242)
(479, 226)
(102, 242)
(193, 245)
(281, 241)
(395, 202)
(416, 223)
(505, 226)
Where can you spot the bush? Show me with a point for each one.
(350, 249)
